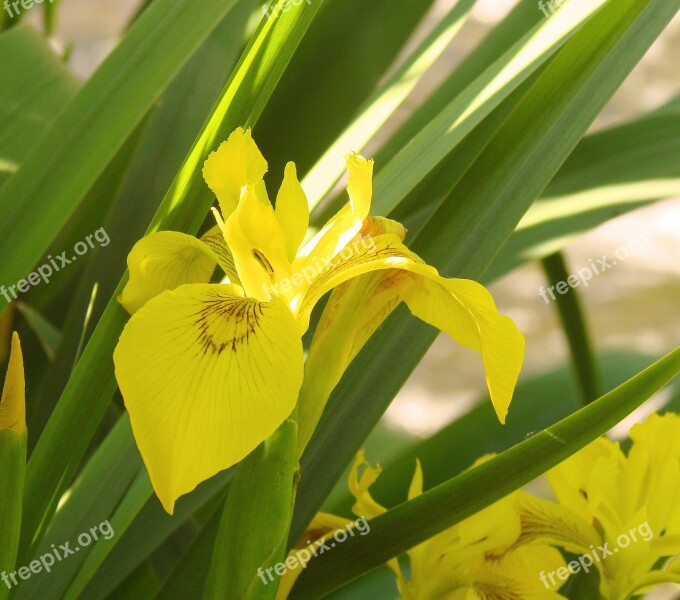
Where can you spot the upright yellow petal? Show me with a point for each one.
(341, 228)
(13, 401)
(653, 471)
(292, 211)
(236, 163)
(359, 485)
(360, 184)
(164, 261)
(206, 376)
(571, 480)
(416, 487)
(258, 244)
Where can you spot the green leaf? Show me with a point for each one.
(571, 316)
(439, 508)
(131, 504)
(253, 532)
(489, 202)
(448, 128)
(88, 504)
(609, 173)
(382, 104)
(358, 44)
(12, 461)
(47, 333)
(92, 385)
(32, 92)
(507, 33)
(12, 473)
(193, 566)
(151, 527)
(517, 23)
(538, 403)
(87, 134)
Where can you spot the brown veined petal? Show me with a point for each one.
(206, 375)
(258, 244)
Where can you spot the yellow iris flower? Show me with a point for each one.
(630, 503)
(209, 370)
(497, 553)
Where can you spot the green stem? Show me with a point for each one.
(573, 322)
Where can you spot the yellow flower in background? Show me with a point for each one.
(632, 503)
(497, 553)
(316, 540)
(209, 370)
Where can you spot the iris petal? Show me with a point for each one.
(206, 375)
(167, 259)
(236, 163)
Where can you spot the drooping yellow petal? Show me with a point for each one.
(490, 586)
(206, 376)
(466, 311)
(360, 256)
(341, 228)
(236, 163)
(258, 245)
(13, 401)
(292, 211)
(463, 309)
(167, 259)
